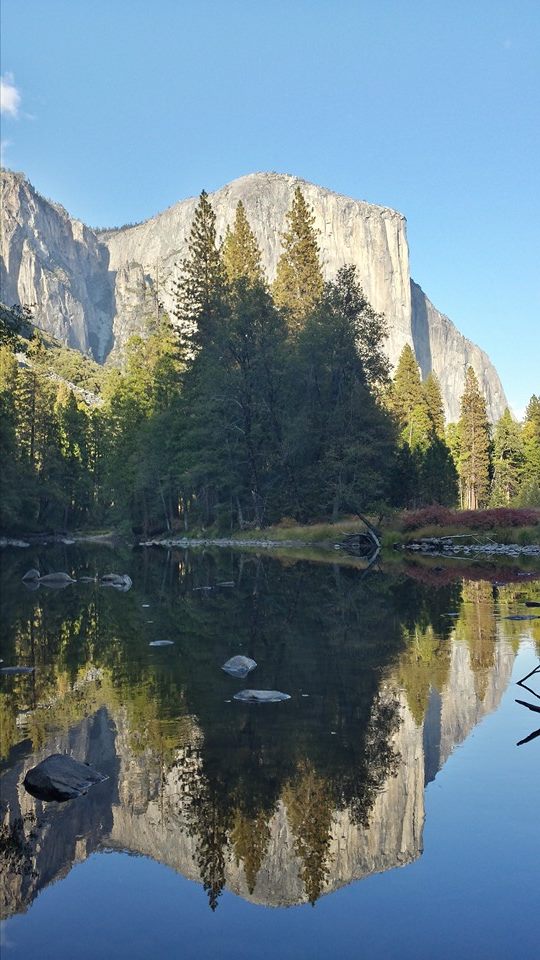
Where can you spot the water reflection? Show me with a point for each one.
(279, 802)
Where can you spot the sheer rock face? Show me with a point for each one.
(95, 289)
(55, 265)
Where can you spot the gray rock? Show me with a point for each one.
(239, 666)
(60, 777)
(161, 643)
(261, 696)
(120, 581)
(31, 574)
(56, 580)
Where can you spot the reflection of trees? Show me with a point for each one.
(309, 806)
(250, 836)
(424, 664)
(210, 823)
(476, 626)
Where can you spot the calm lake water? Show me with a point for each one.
(383, 811)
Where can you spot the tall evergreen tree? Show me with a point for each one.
(408, 402)
(201, 288)
(340, 439)
(508, 460)
(475, 441)
(434, 403)
(298, 286)
(530, 489)
(241, 254)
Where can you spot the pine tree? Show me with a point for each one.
(474, 462)
(339, 437)
(434, 402)
(240, 251)
(408, 402)
(298, 286)
(508, 460)
(201, 288)
(530, 489)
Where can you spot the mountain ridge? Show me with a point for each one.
(94, 288)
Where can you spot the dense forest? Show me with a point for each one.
(255, 403)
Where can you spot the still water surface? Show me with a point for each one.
(383, 811)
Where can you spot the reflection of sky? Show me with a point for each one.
(473, 893)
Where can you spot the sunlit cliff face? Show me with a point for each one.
(93, 290)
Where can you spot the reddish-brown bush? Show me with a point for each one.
(470, 519)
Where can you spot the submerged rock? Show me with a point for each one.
(239, 666)
(56, 580)
(261, 696)
(31, 575)
(8, 671)
(120, 581)
(61, 777)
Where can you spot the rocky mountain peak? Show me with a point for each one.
(93, 289)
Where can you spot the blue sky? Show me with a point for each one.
(127, 106)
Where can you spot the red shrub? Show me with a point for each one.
(470, 519)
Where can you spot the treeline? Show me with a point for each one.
(258, 402)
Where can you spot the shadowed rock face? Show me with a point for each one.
(94, 289)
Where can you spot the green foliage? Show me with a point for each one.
(508, 461)
(434, 403)
(475, 442)
(298, 286)
(340, 438)
(201, 289)
(240, 252)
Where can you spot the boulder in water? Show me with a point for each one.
(120, 581)
(56, 580)
(61, 777)
(261, 696)
(161, 643)
(31, 575)
(239, 666)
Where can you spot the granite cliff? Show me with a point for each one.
(93, 289)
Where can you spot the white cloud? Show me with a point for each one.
(4, 144)
(10, 97)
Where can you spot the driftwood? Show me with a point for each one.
(530, 706)
(364, 544)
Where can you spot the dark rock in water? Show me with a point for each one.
(523, 616)
(31, 575)
(13, 670)
(60, 778)
(56, 580)
(261, 696)
(161, 643)
(239, 666)
(532, 603)
(120, 581)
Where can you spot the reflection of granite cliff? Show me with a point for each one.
(145, 809)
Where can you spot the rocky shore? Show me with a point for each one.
(447, 547)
